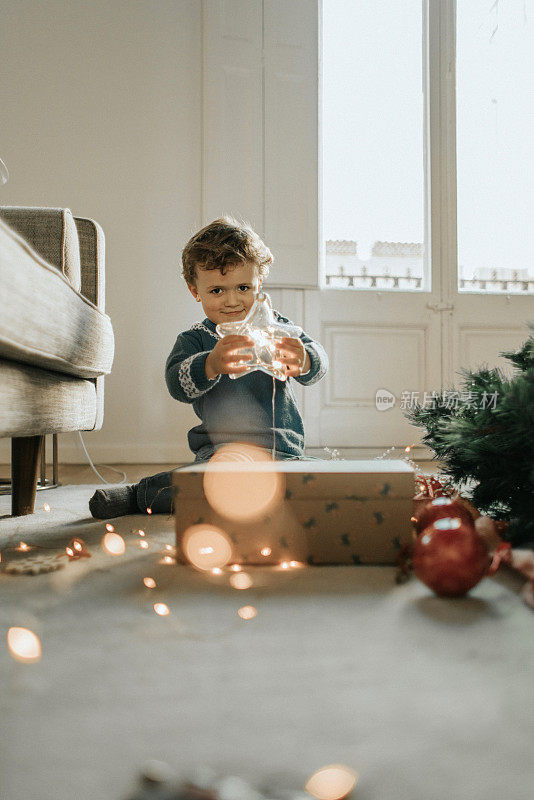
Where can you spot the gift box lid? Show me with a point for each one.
(351, 480)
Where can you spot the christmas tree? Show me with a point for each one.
(483, 434)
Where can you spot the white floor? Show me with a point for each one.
(426, 698)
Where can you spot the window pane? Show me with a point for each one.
(495, 129)
(373, 174)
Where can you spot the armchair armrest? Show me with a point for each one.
(52, 233)
(93, 260)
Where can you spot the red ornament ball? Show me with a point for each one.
(439, 508)
(450, 557)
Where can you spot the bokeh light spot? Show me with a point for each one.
(24, 645)
(241, 452)
(333, 782)
(247, 612)
(247, 493)
(241, 580)
(206, 546)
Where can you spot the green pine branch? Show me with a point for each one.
(486, 440)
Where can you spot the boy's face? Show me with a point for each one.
(227, 298)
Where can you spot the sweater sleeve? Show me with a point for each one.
(318, 357)
(185, 369)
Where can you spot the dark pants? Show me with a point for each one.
(157, 493)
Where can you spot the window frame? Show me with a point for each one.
(439, 53)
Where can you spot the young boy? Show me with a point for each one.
(224, 266)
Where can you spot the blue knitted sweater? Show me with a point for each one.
(241, 409)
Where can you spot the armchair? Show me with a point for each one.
(56, 341)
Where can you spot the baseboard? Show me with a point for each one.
(70, 452)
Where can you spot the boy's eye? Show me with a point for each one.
(242, 288)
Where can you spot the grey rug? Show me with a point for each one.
(426, 698)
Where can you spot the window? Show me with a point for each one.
(374, 133)
(495, 157)
(373, 155)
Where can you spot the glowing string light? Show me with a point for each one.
(24, 645)
(247, 612)
(77, 549)
(241, 580)
(114, 544)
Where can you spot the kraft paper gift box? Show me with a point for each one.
(315, 512)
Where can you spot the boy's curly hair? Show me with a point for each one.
(222, 244)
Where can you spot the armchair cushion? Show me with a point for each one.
(35, 401)
(45, 322)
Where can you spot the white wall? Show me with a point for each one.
(100, 108)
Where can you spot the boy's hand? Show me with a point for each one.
(294, 356)
(223, 358)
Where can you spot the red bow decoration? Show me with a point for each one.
(428, 486)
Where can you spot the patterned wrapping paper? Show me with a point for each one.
(329, 512)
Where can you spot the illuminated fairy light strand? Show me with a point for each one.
(416, 467)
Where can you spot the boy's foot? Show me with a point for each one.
(115, 501)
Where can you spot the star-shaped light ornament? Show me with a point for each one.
(263, 327)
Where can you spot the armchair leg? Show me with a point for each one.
(25, 455)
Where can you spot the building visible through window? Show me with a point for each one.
(391, 265)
